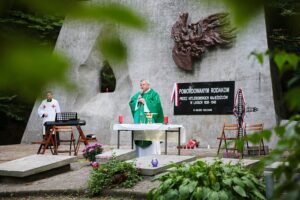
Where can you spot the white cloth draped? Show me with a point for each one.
(154, 133)
(153, 149)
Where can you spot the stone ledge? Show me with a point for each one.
(34, 164)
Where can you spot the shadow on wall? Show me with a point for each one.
(107, 79)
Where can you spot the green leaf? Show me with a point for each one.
(171, 195)
(227, 181)
(239, 190)
(258, 194)
(166, 184)
(111, 46)
(192, 185)
(280, 59)
(240, 144)
(30, 70)
(255, 138)
(199, 174)
(248, 182)
(223, 195)
(184, 192)
(110, 12)
(293, 60)
(206, 193)
(259, 56)
(292, 98)
(242, 11)
(238, 181)
(198, 193)
(280, 130)
(214, 196)
(266, 134)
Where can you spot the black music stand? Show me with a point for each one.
(66, 116)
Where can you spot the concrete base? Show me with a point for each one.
(35, 177)
(144, 166)
(34, 164)
(244, 162)
(211, 160)
(119, 154)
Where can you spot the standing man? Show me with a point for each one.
(146, 101)
(48, 109)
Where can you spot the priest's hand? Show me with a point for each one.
(141, 100)
(45, 115)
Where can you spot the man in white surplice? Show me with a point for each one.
(48, 109)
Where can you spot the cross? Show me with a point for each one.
(239, 111)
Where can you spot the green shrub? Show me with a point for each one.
(114, 173)
(203, 181)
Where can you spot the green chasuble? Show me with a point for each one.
(154, 105)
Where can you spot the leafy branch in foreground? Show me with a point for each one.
(288, 147)
(34, 67)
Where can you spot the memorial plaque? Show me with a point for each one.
(204, 98)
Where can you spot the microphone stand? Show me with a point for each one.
(141, 110)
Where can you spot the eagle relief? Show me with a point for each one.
(192, 40)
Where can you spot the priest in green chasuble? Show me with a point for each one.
(146, 101)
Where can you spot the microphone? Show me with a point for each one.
(140, 96)
(141, 92)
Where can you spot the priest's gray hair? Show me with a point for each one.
(147, 81)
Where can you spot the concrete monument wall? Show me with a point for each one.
(150, 57)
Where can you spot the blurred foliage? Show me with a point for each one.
(284, 34)
(43, 31)
(242, 11)
(284, 31)
(286, 62)
(44, 28)
(28, 32)
(288, 152)
(288, 146)
(26, 67)
(27, 72)
(109, 43)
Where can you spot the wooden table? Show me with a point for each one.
(50, 135)
(167, 128)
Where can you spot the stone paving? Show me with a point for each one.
(75, 181)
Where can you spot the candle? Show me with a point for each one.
(166, 119)
(121, 119)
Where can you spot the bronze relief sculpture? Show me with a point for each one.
(192, 40)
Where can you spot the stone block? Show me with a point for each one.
(244, 162)
(120, 154)
(34, 164)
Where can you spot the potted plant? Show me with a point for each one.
(91, 150)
